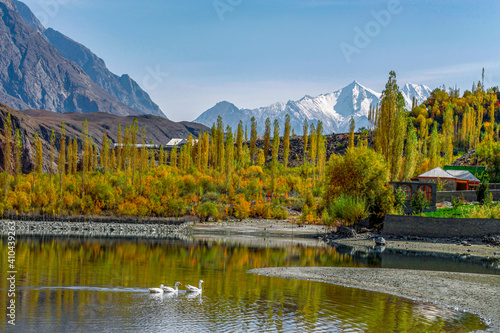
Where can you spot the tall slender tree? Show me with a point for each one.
(253, 140)
(7, 162)
(286, 141)
(18, 154)
(391, 126)
(267, 136)
(305, 137)
(276, 143)
(352, 127)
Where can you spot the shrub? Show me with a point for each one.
(361, 173)
(347, 209)
(419, 202)
(205, 210)
(483, 192)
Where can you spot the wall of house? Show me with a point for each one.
(447, 184)
(464, 195)
(399, 225)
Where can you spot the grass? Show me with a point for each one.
(491, 211)
(460, 212)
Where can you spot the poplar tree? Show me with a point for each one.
(220, 144)
(161, 155)
(52, 153)
(105, 151)
(286, 141)
(206, 148)
(253, 140)
(267, 137)
(391, 126)
(119, 149)
(199, 151)
(352, 127)
(276, 143)
(313, 145)
(85, 152)
(239, 144)
(38, 154)
(305, 138)
(411, 152)
(229, 150)
(18, 153)
(213, 147)
(7, 151)
(61, 160)
(448, 132)
(261, 159)
(75, 156)
(434, 148)
(112, 159)
(173, 157)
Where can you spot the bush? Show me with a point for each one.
(347, 209)
(483, 194)
(419, 202)
(205, 210)
(361, 173)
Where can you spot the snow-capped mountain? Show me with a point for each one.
(334, 110)
(419, 91)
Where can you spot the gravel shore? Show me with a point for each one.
(476, 293)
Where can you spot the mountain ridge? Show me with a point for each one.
(333, 109)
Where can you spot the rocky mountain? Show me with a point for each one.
(124, 88)
(417, 91)
(334, 110)
(33, 74)
(63, 78)
(159, 130)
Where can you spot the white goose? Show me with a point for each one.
(172, 290)
(157, 290)
(194, 289)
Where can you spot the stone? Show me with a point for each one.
(380, 241)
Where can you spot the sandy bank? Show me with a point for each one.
(475, 293)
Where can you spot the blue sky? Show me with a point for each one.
(190, 54)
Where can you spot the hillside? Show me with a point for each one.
(159, 130)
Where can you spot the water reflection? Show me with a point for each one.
(83, 285)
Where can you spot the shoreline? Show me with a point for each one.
(474, 293)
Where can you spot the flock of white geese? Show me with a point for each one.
(175, 289)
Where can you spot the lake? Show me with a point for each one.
(100, 285)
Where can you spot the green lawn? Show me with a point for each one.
(462, 211)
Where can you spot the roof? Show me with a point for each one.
(436, 173)
(455, 174)
(463, 175)
(175, 142)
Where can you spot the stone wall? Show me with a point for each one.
(464, 195)
(398, 225)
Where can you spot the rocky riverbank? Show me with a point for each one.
(97, 229)
(476, 293)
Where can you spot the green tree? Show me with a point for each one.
(18, 154)
(267, 136)
(352, 127)
(362, 173)
(173, 157)
(7, 162)
(61, 160)
(286, 141)
(434, 148)
(411, 152)
(391, 126)
(253, 140)
(305, 137)
(239, 143)
(276, 143)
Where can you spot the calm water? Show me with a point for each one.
(81, 285)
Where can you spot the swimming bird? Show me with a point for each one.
(157, 290)
(172, 290)
(194, 289)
